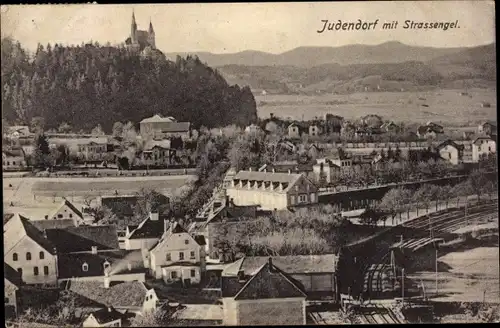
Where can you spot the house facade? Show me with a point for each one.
(164, 127)
(177, 257)
(269, 290)
(314, 130)
(326, 171)
(66, 211)
(482, 146)
(146, 234)
(29, 252)
(106, 317)
(13, 159)
(272, 190)
(293, 131)
(93, 151)
(487, 128)
(156, 155)
(451, 152)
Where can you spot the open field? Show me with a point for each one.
(23, 190)
(446, 106)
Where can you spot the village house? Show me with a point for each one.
(12, 284)
(105, 317)
(29, 252)
(66, 211)
(164, 127)
(247, 296)
(146, 234)
(157, 156)
(178, 257)
(295, 130)
(13, 159)
(314, 130)
(288, 167)
(314, 274)
(314, 151)
(430, 130)
(124, 296)
(390, 127)
(272, 190)
(220, 210)
(371, 121)
(488, 128)
(93, 151)
(451, 152)
(483, 146)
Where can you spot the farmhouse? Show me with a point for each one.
(66, 210)
(487, 128)
(130, 296)
(333, 123)
(157, 155)
(13, 159)
(272, 190)
(178, 256)
(92, 150)
(164, 127)
(83, 239)
(390, 127)
(288, 167)
(146, 234)
(253, 129)
(451, 152)
(314, 274)
(105, 317)
(18, 131)
(29, 252)
(247, 296)
(325, 171)
(483, 146)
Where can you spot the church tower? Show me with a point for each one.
(151, 35)
(133, 32)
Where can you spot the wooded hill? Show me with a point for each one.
(89, 84)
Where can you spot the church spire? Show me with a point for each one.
(150, 26)
(133, 19)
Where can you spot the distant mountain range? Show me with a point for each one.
(388, 66)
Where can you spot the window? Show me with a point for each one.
(6, 300)
(193, 273)
(173, 274)
(449, 155)
(292, 199)
(13, 163)
(85, 267)
(35, 271)
(169, 257)
(14, 257)
(42, 255)
(296, 188)
(479, 148)
(302, 198)
(192, 256)
(70, 215)
(46, 270)
(489, 148)
(186, 241)
(46, 217)
(181, 256)
(28, 256)
(59, 216)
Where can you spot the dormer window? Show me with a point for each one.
(106, 265)
(85, 267)
(186, 241)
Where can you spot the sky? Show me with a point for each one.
(230, 28)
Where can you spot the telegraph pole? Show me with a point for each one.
(403, 285)
(436, 270)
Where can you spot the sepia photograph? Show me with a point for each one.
(225, 164)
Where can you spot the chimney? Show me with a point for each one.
(270, 264)
(106, 281)
(241, 276)
(172, 223)
(289, 171)
(250, 169)
(274, 171)
(109, 309)
(94, 249)
(272, 115)
(153, 216)
(129, 266)
(165, 225)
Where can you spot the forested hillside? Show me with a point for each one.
(91, 84)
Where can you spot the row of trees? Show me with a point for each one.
(403, 200)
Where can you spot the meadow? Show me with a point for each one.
(446, 106)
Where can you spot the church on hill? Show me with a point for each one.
(140, 40)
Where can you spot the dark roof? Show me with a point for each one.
(200, 240)
(82, 238)
(11, 234)
(14, 152)
(451, 143)
(120, 205)
(269, 282)
(106, 315)
(7, 217)
(118, 295)
(493, 123)
(292, 264)
(293, 167)
(230, 286)
(43, 225)
(148, 229)
(175, 127)
(71, 265)
(11, 275)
